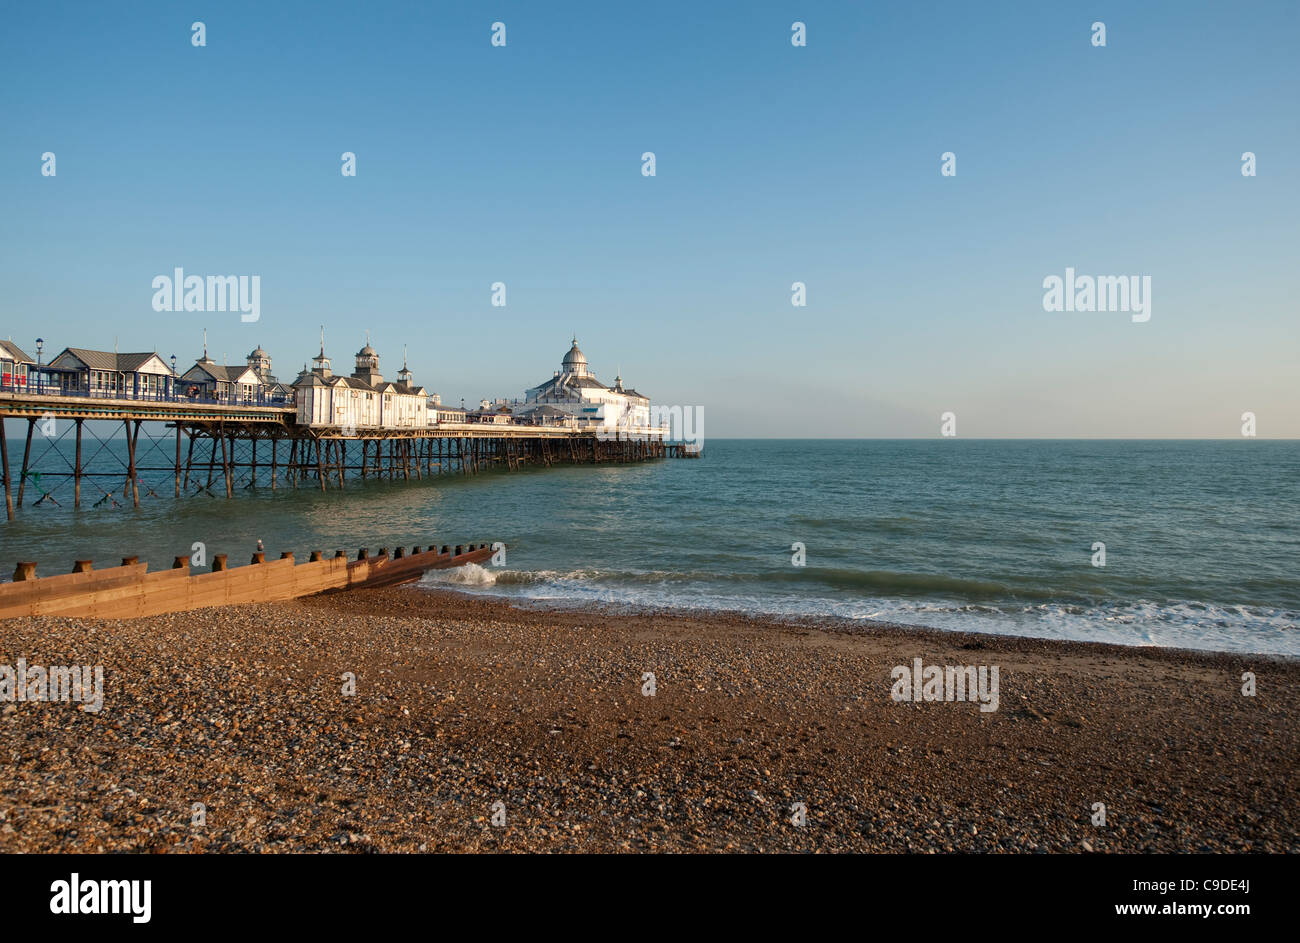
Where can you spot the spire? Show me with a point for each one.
(205, 343)
(321, 361)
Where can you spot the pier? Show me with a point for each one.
(217, 448)
(216, 429)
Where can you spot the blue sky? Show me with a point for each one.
(775, 164)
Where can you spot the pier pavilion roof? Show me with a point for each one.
(556, 385)
(399, 386)
(106, 360)
(241, 374)
(574, 357)
(544, 411)
(310, 378)
(11, 351)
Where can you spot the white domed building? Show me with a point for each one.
(574, 397)
(364, 401)
(252, 384)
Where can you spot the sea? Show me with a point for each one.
(1186, 544)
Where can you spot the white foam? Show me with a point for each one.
(1191, 625)
(469, 574)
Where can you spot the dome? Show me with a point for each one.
(258, 354)
(367, 351)
(574, 357)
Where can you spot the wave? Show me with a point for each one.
(875, 581)
(936, 602)
(469, 574)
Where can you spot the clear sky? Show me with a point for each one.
(775, 164)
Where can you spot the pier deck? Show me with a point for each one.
(215, 444)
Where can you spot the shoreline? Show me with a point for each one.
(464, 700)
(817, 622)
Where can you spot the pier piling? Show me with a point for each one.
(231, 433)
(4, 459)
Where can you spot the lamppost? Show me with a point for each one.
(171, 381)
(40, 345)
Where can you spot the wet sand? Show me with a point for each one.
(465, 702)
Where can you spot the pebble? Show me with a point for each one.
(467, 706)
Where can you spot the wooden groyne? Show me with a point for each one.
(129, 591)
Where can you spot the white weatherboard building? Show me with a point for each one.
(589, 404)
(223, 383)
(100, 373)
(363, 401)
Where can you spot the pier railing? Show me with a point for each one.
(182, 396)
